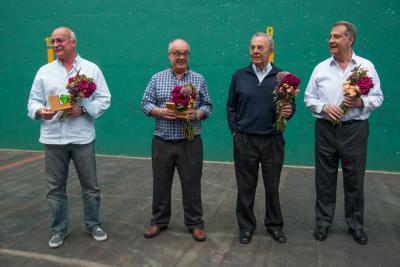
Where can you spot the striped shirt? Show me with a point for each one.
(158, 92)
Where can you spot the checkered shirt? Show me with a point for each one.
(158, 92)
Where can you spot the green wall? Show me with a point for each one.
(128, 39)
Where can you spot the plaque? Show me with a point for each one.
(181, 115)
(60, 102)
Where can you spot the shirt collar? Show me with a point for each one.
(184, 74)
(354, 59)
(77, 60)
(264, 70)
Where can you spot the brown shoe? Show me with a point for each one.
(152, 231)
(198, 234)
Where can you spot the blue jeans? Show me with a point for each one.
(57, 159)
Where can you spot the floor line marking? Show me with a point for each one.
(20, 162)
(52, 258)
(205, 161)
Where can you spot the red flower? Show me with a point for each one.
(290, 80)
(182, 95)
(365, 83)
(83, 84)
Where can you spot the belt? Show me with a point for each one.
(340, 124)
(171, 141)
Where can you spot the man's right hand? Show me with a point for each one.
(333, 112)
(45, 113)
(164, 113)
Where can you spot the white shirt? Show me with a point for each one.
(51, 79)
(262, 73)
(326, 87)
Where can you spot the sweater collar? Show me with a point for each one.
(273, 71)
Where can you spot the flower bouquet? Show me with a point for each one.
(357, 84)
(78, 87)
(183, 98)
(285, 93)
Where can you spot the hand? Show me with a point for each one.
(166, 114)
(75, 111)
(353, 102)
(333, 112)
(45, 113)
(193, 114)
(286, 110)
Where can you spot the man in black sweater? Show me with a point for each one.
(252, 114)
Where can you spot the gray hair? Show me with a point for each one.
(268, 37)
(173, 41)
(73, 35)
(351, 30)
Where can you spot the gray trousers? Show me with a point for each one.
(187, 157)
(57, 159)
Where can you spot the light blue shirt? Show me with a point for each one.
(262, 73)
(51, 79)
(326, 87)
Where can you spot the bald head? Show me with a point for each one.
(67, 31)
(178, 54)
(178, 44)
(63, 40)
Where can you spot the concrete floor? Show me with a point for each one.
(126, 208)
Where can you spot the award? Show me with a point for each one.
(60, 102)
(181, 115)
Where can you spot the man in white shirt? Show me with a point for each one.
(338, 135)
(72, 138)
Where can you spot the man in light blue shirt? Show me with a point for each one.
(338, 135)
(72, 138)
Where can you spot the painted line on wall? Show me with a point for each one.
(21, 162)
(52, 258)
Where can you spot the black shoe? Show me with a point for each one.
(277, 235)
(359, 236)
(245, 237)
(321, 233)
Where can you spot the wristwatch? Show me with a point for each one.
(83, 110)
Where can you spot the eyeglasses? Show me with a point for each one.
(178, 54)
(57, 40)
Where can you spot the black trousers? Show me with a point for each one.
(249, 152)
(187, 157)
(347, 143)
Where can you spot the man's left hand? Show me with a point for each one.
(75, 111)
(353, 102)
(287, 110)
(193, 114)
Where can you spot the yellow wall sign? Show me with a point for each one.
(50, 52)
(270, 31)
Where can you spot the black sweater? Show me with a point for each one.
(251, 108)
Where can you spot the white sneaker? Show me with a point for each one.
(56, 240)
(98, 234)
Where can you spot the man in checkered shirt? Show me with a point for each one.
(170, 148)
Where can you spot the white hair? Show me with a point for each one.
(175, 40)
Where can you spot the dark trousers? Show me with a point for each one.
(187, 157)
(347, 143)
(249, 152)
